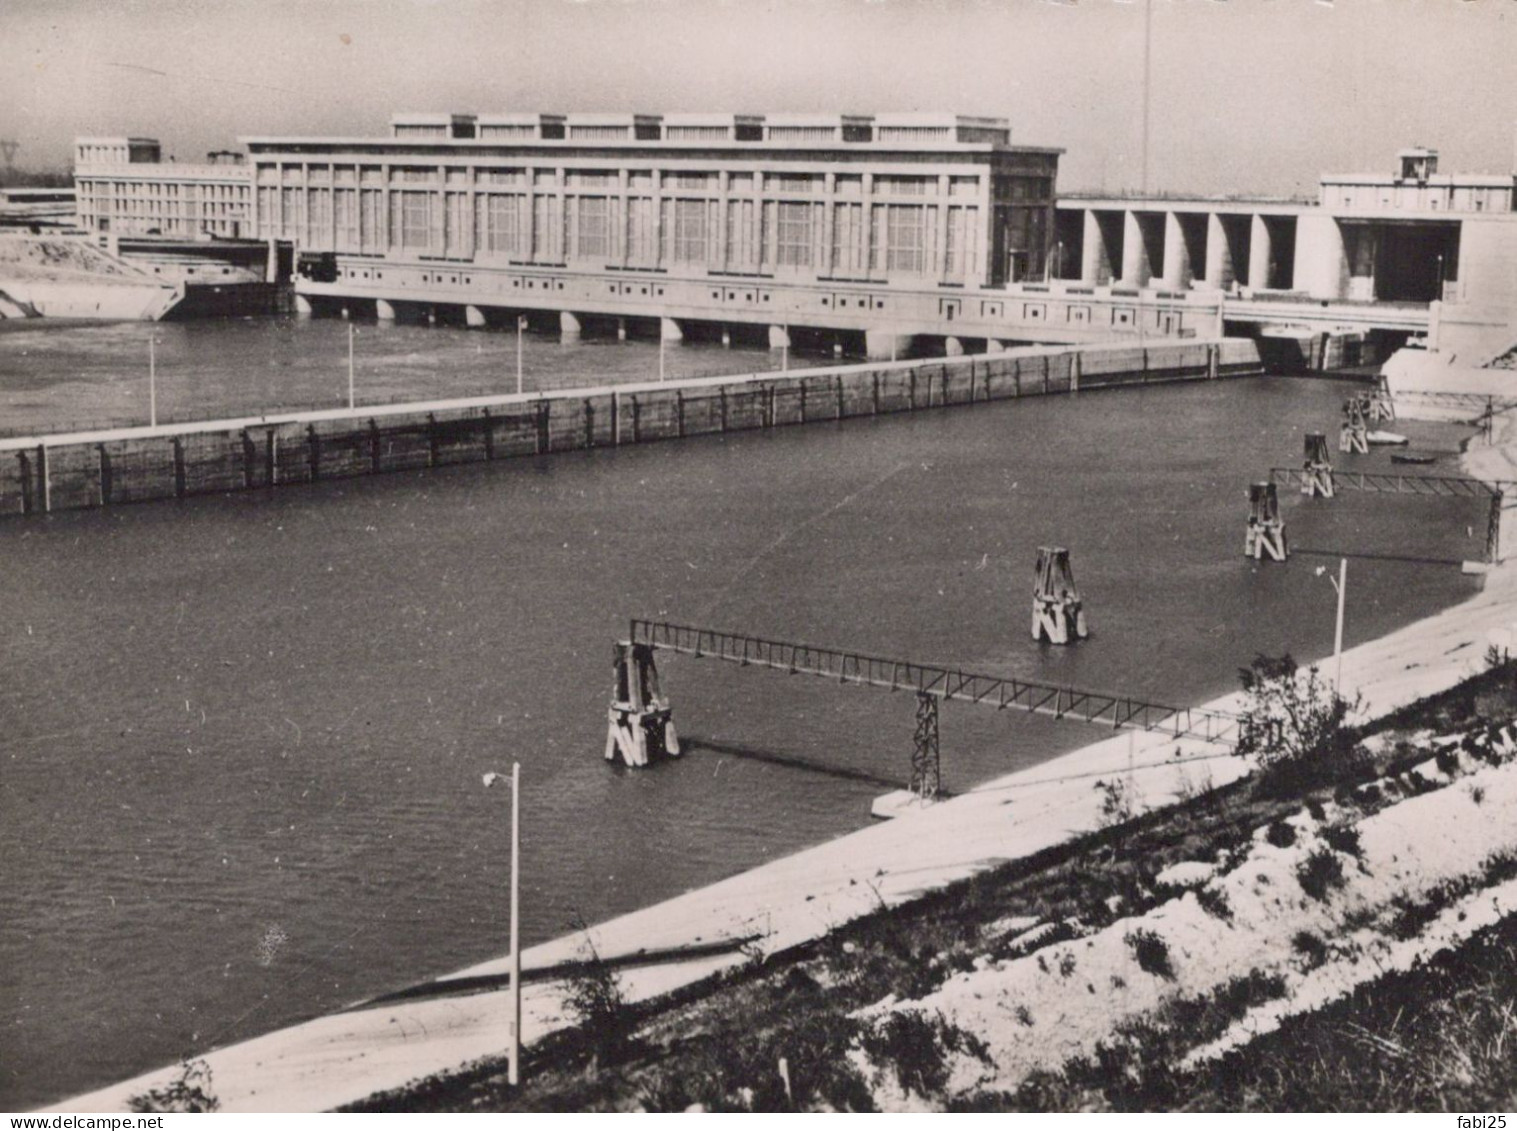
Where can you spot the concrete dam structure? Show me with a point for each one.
(40, 474)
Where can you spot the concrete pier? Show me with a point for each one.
(953, 347)
(569, 327)
(1260, 254)
(474, 317)
(779, 338)
(383, 310)
(670, 331)
(302, 304)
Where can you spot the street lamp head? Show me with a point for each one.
(1320, 570)
(492, 777)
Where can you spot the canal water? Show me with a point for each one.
(242, 737)
(108, 374)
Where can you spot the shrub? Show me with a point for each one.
(190, 1093)
(593, 997)
(1447, 760)
(916, 1047)
(1310, 947)
(1119, 801)
(1343, 838)
(736, 1067)
(1280, 833)
(1152, 953)
(1320, 873)
(1213, 901)
(1293, 725)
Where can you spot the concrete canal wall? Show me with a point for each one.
(39, 474)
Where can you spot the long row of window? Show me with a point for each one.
(751, 236)
(846, 184)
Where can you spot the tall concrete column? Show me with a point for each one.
(940, 214)
(383, 310)
(568, 326)
(1219, 254)
(670, 331)
(1322, 267)
(1136, 269)
(1178, 270)
(825, 265)
(723, 203)
(1095, 256)
(1261, 254)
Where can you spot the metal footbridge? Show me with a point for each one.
(1495, 491)
(1394, 483)
(933, 684)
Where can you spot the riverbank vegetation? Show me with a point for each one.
(1328, 933)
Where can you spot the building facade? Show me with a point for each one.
(936, 199)
(125, 188)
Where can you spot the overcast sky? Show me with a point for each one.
(1252, 96)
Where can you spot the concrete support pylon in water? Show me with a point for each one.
(1266, 530)
(1353, 436)
(1058, 614)
(926, 765)
(1382, 406)
(639, 724)
(1317, 471)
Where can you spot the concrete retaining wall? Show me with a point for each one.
(39, 474)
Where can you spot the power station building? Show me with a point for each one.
(942, 198)
(893, 225)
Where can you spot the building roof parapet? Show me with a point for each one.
(1446, 180)
(165, 170)
(915, 130)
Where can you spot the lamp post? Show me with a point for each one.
(513, 1071)
(661, 351)
(350, 367)
(152, 381)
(1340, 585)
(521, 324)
